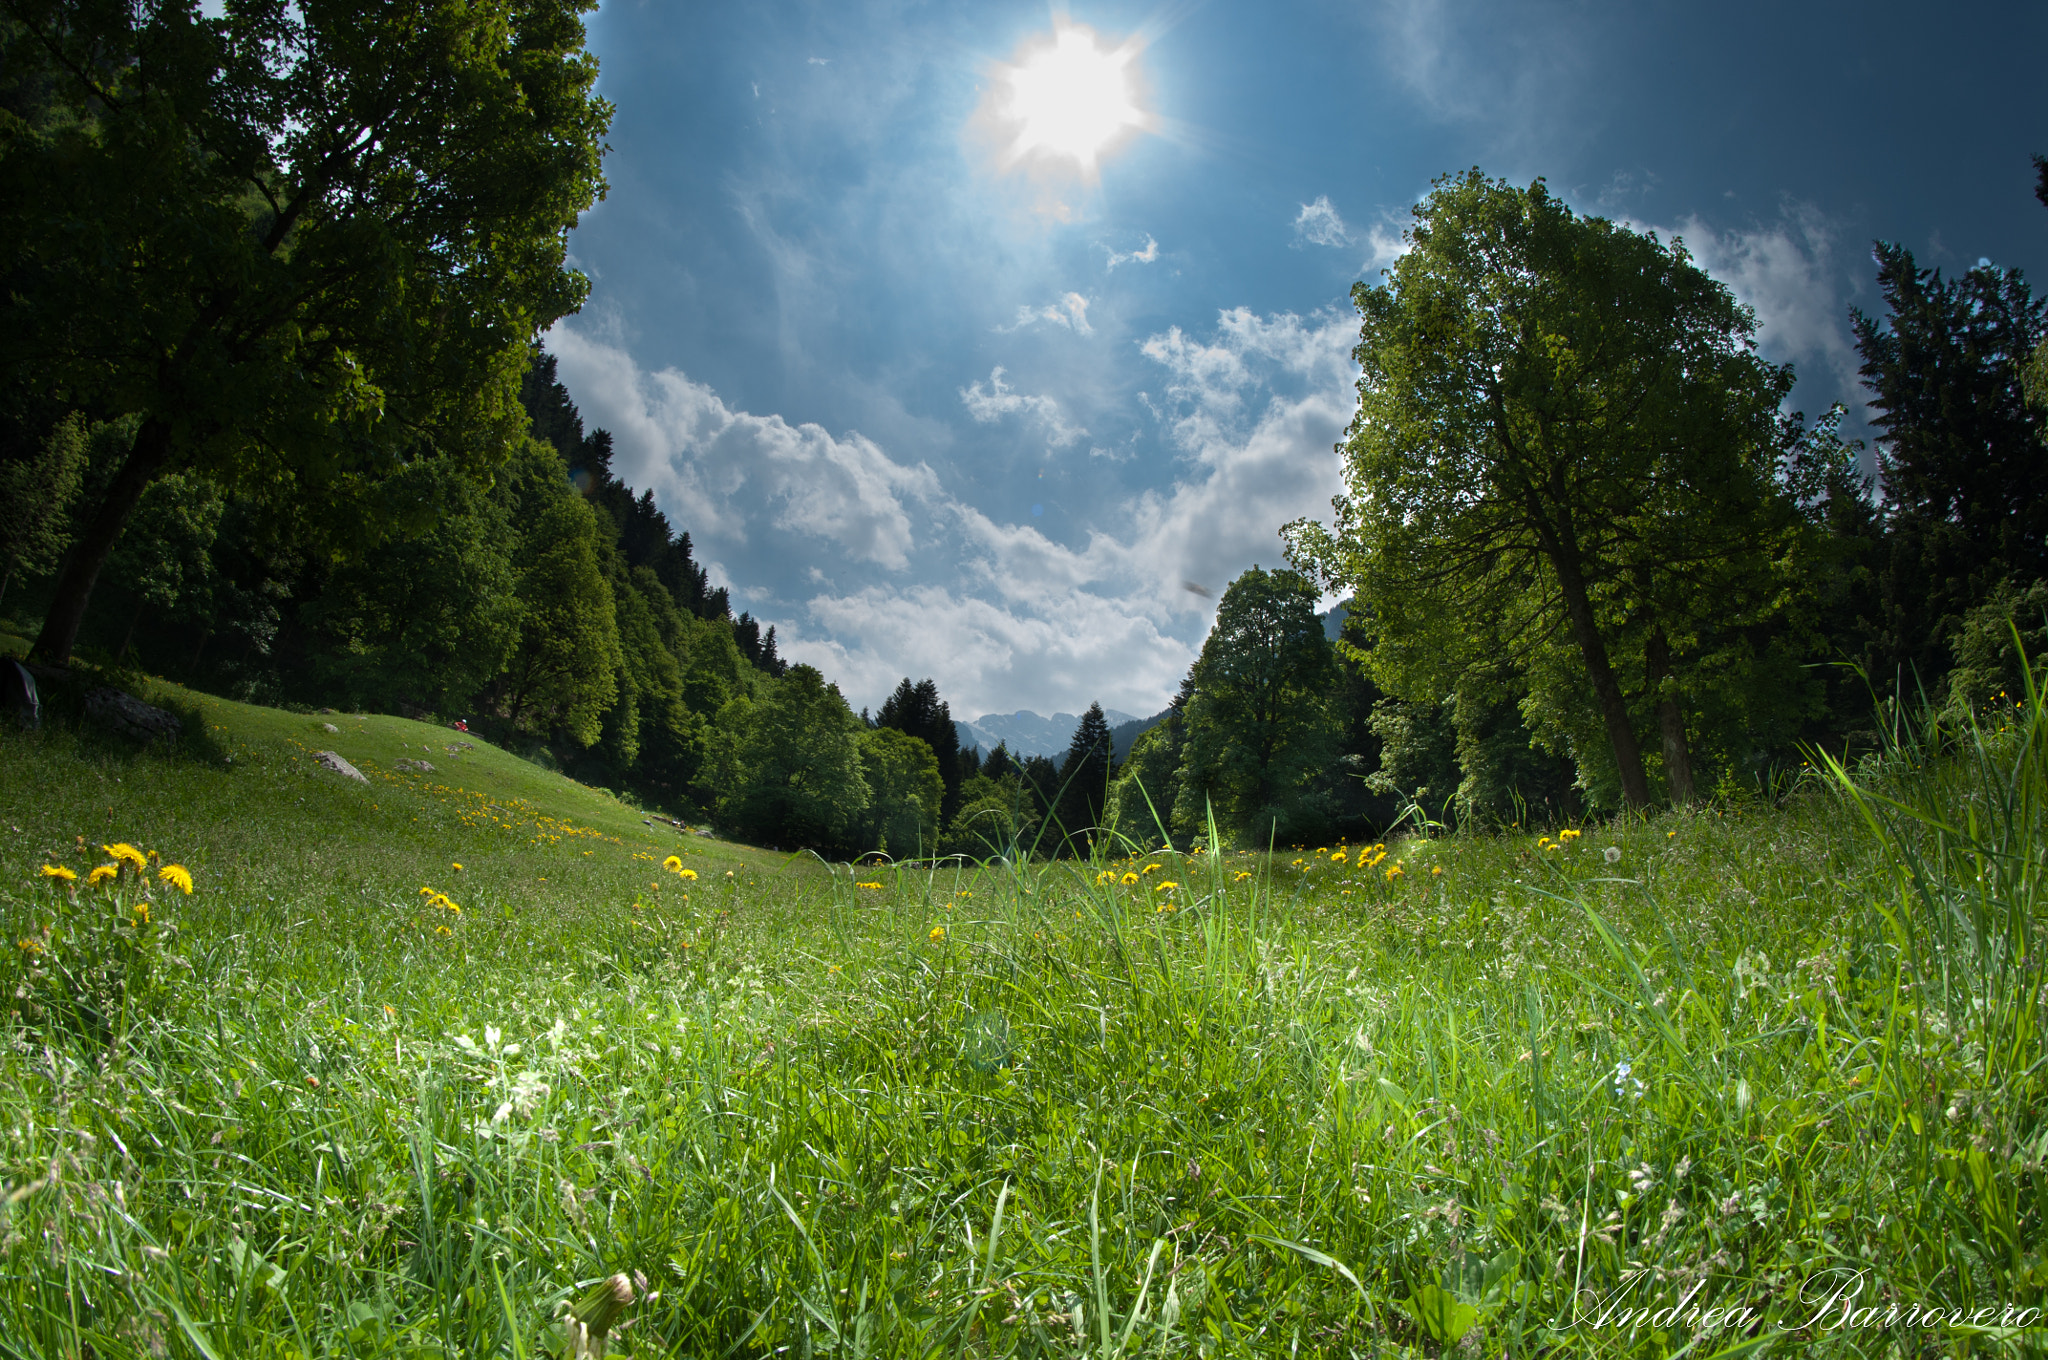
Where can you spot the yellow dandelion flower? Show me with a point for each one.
(1435, 869)
(674, 864)
(1396, 872)
(1151, 869)
(938, 935)
(141, 915)
(1337, 858)
(1164, 906)
(103, 873)
(457, 867)
(28, 946)
(1106, 876)
(178, 876)
(1167, 886)
(1130, 879)
(443, 930)
(127, 854)
(873, 887)
(60, 872)
(690, 874)
(1240, 876)
(426, 892)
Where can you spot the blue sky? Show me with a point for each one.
(1014, 426)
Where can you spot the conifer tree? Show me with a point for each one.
(1084, 782)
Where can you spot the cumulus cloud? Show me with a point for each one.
(1319, 224)
(1070, 311)
(1788, 272)
(1002, 615)
(1145, 256)
(723, 471)
(996, 401)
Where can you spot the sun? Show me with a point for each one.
(1069, 98)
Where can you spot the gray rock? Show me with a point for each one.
(333, 761)
(129, 716)
(421, 766)
(330, 727)
(22, 697)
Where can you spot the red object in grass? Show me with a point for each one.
(461, 726)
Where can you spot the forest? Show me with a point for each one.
(298, 444)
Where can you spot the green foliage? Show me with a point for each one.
(563, 671)
(289, 239)
(1257, 727)
(428, 616)
(788, 766)
(1997, 645)
(919, 711)
(1565, 447)
(999, 817)
(905, 793)
(164, 558)
(35, 493)
(1961, 454)
(1139, 809)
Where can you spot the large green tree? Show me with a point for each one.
(300, 239)
(428, 616)
(1258, 730)
(1564, 436)
(904, 793)
(918, 711)
(788, 766)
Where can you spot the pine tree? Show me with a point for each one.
(918, 710)
(1960, 460)
(1084, 782)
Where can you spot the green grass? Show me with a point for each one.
(991, 1110)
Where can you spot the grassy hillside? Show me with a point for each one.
(1491, 1094)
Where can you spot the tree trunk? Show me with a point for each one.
(129, 637)
(1628, 757)
(1670, 719)
(146, 458)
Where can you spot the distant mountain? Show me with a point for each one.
(1333, 622)
(1028, 734)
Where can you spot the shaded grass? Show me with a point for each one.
(1285, 1106)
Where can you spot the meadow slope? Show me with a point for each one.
(417, 1060)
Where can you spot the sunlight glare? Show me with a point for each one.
(1071, 98)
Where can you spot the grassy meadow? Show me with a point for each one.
(417, 1061)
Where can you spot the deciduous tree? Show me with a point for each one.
(301, 238)
(1564, 435)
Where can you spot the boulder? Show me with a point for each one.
(330, 727)
(423, 767)
(333, 761)
(129, 716)
(21, 698)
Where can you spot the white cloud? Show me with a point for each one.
(1319, 224)
(1787, 271)
(992, 404)
(820, 529)
(1070, 311)
(1145, 256)
(725, 470)
(990, 656)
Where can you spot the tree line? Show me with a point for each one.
(1593, 561)
(275, 422)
